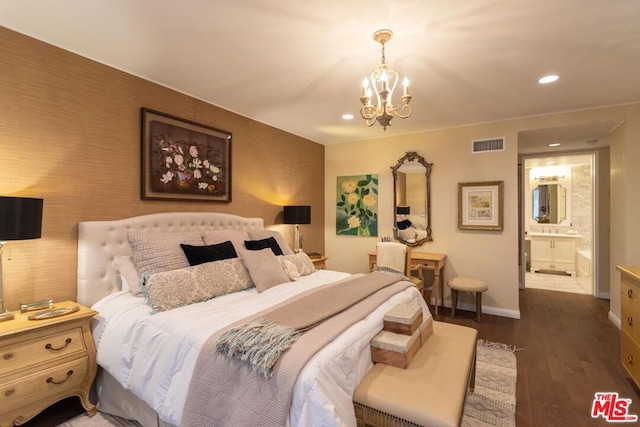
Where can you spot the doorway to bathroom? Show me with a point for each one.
(559, 217)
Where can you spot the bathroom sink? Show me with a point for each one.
(538, 234)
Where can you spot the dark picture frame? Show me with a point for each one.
(481, 205)
(184, 160)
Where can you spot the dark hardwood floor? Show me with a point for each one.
(567, 351)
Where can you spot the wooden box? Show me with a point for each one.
(395, 349)
(403, 319)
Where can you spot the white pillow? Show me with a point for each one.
(302, 261)
(236, 237)
(128, 275)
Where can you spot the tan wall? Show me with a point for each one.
(492, 256)
(70, 133)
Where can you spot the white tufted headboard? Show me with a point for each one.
(100, 242)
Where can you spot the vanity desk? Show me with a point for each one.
(424, 261)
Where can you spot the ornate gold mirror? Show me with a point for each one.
(412, 199)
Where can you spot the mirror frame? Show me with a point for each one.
(411, 156)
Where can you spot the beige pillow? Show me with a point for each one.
(265, 234)
(177, 288)
(265, 268)
(156, 252)
(236, 237)
(302, 261)
(290, 270)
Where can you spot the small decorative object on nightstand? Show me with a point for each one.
(44, 361)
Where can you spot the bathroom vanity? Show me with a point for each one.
(554, 252)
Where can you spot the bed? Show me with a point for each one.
(147, 360)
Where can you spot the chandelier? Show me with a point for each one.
(381, 84)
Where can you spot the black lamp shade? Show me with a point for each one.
(296, 215)
(20, 218)
(403, 210)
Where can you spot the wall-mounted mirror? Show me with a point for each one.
(412, 199)
(549, 204)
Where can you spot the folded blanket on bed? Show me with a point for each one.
(261, 341)
(227, 391)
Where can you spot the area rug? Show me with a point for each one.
(493, 403)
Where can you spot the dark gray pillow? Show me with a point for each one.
(269, 242)
(200, 254)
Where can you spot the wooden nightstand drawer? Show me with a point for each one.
(50, 382)
(43, 349)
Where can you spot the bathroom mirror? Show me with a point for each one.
(412, 199)
(550, 204)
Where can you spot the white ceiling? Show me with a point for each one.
(298, 65)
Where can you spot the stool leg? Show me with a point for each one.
(454, 302)
(479, 306)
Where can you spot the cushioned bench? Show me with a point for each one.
(430, 392)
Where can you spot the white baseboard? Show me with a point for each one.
(496, 311)
(604, 295)
(615, 320)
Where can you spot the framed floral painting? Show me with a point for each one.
(480, 205)
(184, 160)
(357, 205)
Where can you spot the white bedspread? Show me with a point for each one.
(154, 355)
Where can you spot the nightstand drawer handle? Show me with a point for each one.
(50, 379)
(630, 320)
(630, 359)
(8, 356)
(51, 348)
(9, 392)
(630, 293)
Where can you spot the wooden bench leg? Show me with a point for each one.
(472, 380)
(454, 302)
(479, 306)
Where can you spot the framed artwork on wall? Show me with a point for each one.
(357, 205)
(184, 160)
(480, 205)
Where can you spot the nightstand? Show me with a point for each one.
(44, 361)
(320, 262)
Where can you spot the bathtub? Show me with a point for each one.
(584, 263)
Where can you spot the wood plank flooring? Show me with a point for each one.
(568, 351)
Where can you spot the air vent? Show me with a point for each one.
(487, 145)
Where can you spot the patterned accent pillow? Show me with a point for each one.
(264, 234)
(302, 261)
(156, 252)
(177, 288)
(291, 270)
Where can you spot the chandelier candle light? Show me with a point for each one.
(383, 81)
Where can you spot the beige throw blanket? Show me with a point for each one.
(226, 391)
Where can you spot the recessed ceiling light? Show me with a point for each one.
(347, 116)
(548, 79)
(554, 144)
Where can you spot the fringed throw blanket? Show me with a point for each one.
(228, 391)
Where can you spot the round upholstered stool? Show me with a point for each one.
(467, 284)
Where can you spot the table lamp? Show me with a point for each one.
(297, 215)
(403, 210)
(20, 219)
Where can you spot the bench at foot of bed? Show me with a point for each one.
(430, 392)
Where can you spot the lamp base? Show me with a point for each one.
(6, 315)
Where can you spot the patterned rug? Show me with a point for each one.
(493, 403)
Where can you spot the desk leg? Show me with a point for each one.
(438, 289)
